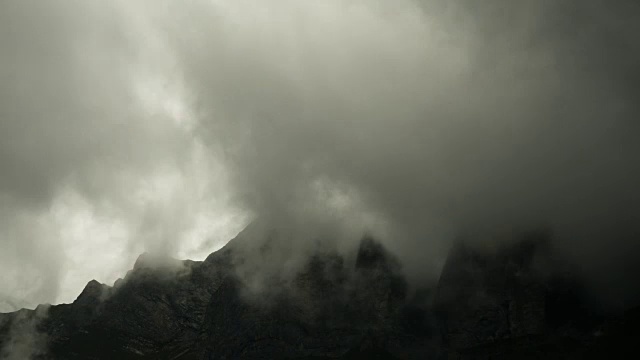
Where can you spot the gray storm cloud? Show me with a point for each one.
(436, 118)
(417, 121)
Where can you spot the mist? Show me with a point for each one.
(166, 126)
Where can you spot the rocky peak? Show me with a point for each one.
(371, 255)
(93, 293)
(488, 297)
(149, 260)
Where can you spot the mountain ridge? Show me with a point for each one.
(484, 306)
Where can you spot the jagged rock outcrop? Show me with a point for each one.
(484, 298)
(487, 306)
(205, 310)
(495, 305)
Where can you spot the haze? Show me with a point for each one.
(167, 126)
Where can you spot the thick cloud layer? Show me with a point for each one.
(416, 120)
(433, 119)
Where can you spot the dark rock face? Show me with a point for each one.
(494, 305)
(492, 297)
(204, 310)
(487, 306)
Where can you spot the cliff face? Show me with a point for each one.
(205, 310)
(486, 298)
(496, 305)
(487, 306)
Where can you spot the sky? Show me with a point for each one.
(167, 126)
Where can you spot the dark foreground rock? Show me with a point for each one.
(486, 306)
(496, 305)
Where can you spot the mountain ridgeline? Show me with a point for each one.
(486, 305)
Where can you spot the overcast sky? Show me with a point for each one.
(166, 126)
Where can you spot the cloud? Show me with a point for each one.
(415, 120)
(98, 155)
(440, 119)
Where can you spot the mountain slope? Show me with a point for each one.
(487, 306)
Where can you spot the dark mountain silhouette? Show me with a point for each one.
(485, 306)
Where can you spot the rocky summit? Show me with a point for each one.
(487, 305)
